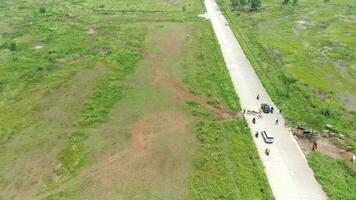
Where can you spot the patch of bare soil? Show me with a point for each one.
(157, 158)
(324, 147)
(184, 94)
(61, 105)
(92, 31)
(174, 1)
(159, 153)
(163, 76)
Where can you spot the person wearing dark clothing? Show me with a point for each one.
(315, 146)
(256, 135)
(258, 97)
(254, 120)
(267, 151)
(276, 121)
(271, 109)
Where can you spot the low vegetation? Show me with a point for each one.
(339, 183)
(228, 166)
(304, 54)
(110, 99)
(310, 76)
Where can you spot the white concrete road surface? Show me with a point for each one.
(287, 169)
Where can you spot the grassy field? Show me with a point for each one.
(339, 183)
(114, 100)
(305, 56)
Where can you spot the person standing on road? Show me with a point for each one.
(267, 151)
(271, 109)
(254, 120)
(258, 97)
(256, 135)
(280, 110)
(276, 121)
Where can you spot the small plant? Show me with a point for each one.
(42, 10)
(255, 4)
(11, 45)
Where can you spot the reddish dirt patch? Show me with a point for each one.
(184, 94)
(159, 153)
(164, 77)
(324, 147)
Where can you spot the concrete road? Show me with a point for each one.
(287, 169)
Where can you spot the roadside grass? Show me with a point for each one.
(336, 176)
(227, 163)
(206, 73)
(304, 56)
(228, 166)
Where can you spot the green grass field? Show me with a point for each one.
(305, 56)
(339, 183)
(112, 100)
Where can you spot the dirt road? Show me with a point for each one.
(287, 169)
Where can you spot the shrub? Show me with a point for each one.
(42, 10)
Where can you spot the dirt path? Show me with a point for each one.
(287, 169)
(161, 146)
(324, 147)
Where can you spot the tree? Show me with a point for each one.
(255, 4)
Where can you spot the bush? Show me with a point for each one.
(11, 45)
(42, 10)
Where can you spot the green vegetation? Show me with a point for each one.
(228, 165)
(110, 99)
(110, 89)
(205, 74)
(305, 56)
(72, 157)
(339, 182)
(254, 4)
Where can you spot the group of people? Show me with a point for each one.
(267, 150)
(272, 109)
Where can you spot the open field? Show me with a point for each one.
(305, 57)
(119, 100)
